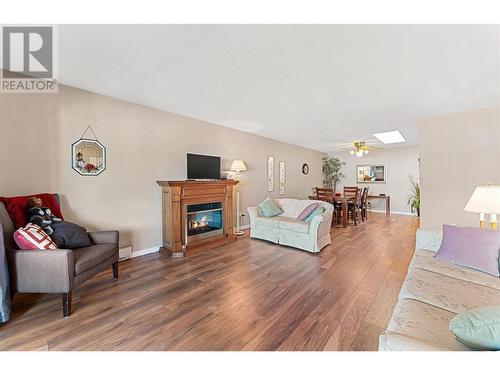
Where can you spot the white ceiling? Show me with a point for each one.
(314, 86)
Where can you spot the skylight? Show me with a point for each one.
(390, 137)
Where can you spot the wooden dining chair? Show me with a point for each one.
(324, 194)
(350, 190)
(364, 204)
(327, 195)
(355, 207)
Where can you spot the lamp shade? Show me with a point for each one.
(485, 199)
(238, 165)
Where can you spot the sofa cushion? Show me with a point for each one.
(267, 221)
(293, 225)
(15, 207)
(424, 322)
(446, 292)
(307, 211)
(425, 259)
(269, 208)
(33, 237)
(292, 207)
(478, 328)
(91, 256)
(471, 247)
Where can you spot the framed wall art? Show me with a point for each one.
(270, 173)
(371, 174)
(282, 177)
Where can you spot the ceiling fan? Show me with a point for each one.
(358, 148)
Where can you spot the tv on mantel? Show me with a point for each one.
(203, 167)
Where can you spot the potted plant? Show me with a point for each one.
(332, 172)
(414, 197)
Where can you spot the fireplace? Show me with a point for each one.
(197, 215)
(203, 221)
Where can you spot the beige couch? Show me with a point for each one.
(432, 294)
(285, 229)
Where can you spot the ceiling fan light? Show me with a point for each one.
(352, 152)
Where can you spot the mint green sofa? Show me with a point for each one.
(286, 230)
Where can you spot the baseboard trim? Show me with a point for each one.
(394, 212)
(140, 253)
(147, 251)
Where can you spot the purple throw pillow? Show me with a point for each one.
(307, 211)
(471, 247)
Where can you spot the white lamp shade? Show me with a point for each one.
(238, 165)
(485, 199)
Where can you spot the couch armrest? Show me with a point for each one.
(105, 237)
(42, 271)
(253, 212)
(321, 224)
(427, 239)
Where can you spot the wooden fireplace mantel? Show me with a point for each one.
(176, 195)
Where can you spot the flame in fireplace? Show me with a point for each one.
(201, 223)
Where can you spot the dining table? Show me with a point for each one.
(344, 200)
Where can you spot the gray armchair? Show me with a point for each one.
(57, 271)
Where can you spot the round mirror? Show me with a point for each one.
(305, 168)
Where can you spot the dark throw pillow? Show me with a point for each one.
(69, 235)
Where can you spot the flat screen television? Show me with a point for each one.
(203, 167)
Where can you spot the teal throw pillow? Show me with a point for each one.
(269, 208)
(478, 328)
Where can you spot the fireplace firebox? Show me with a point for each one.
(203, 221)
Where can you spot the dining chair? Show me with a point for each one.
(327, 195)
(355, 207)
(324, 194)
(364, 204)
(350, 190)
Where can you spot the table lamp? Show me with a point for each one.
(485, 200)
(238, 166)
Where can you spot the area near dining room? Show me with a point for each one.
(391, 190)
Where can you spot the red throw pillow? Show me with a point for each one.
(32, 237)
(15, 207)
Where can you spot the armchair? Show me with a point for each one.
(59, 270)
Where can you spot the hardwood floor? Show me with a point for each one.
(248, 295)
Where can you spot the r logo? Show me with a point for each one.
(27, 51)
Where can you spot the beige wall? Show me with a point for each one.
(457, 152)
(26, 145)
(401, 163)
(143, 145)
